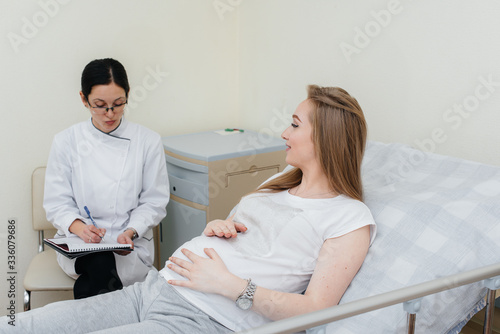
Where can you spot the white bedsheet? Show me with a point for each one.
(436, 216)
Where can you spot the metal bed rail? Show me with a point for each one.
(409, 296)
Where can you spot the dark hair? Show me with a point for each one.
(103, 72)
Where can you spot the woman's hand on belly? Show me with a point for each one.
(224, 228)
(208, 275)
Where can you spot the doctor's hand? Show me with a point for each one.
(88, 233)
(224, 228)
(204, 274)
(125, 238)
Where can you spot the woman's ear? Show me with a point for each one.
(84, 100)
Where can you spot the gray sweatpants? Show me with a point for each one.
(152, 306)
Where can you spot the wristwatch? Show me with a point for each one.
(245, 299)
(133, 230)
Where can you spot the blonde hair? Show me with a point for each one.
(339, 137)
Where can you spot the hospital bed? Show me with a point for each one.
(436, 259)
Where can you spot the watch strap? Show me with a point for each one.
(247, 294)
(135, 235)
(244, 289)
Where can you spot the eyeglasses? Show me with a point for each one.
(102, 110)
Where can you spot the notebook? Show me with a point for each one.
(73, 247)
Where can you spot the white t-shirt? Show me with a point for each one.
(278, 251)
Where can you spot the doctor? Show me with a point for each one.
(117, 170)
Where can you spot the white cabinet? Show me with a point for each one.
(208, 173)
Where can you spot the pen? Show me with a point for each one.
(91, 219)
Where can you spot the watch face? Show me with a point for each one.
(244, 303)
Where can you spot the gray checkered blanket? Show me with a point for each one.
(436, 216)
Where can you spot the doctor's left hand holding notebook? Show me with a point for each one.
(88, 233)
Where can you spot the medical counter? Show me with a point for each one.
(208, 174)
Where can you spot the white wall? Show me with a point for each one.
(407, 72)
(244, 63)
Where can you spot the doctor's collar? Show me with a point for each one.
(113, 132)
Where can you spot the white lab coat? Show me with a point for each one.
(121, 177)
